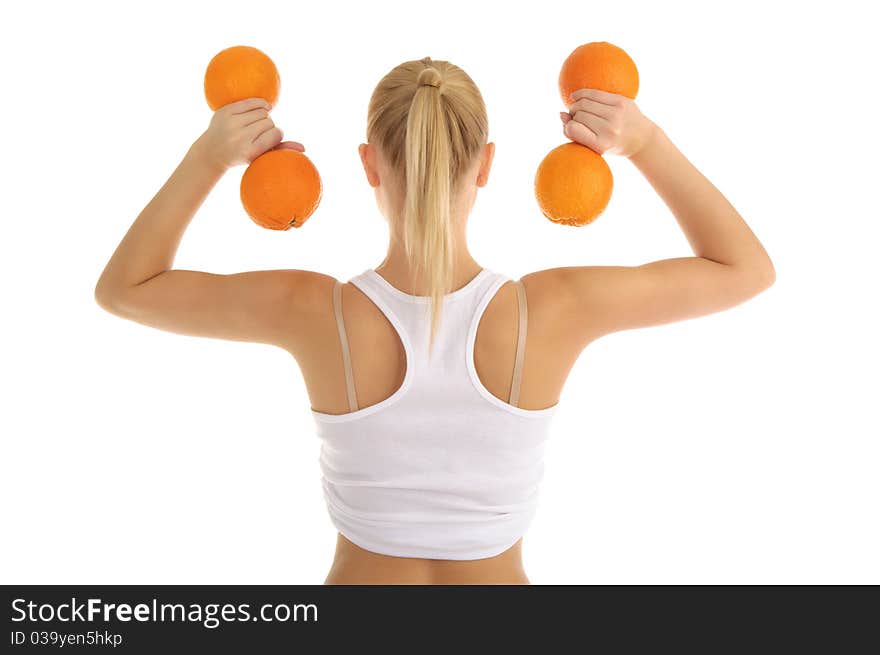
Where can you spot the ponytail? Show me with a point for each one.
(429, 120)
(427, 230)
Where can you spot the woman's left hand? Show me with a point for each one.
(606, 122)
(240, 132)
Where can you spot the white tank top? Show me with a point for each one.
(441, 469)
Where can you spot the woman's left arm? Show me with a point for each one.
(138, 282)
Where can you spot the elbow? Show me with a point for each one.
(767, 276)
(104, 298)
(108, 298)
(753, 277)
(771, 276)
(759, 276)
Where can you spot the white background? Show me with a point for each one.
(735, 448)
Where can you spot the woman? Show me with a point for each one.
(433, 379)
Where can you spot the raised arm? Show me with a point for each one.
(729, 265)
(139, 284)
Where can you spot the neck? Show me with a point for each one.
(397, 270)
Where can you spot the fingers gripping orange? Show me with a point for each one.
(281, 187)
(573, 183)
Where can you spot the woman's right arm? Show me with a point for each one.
(729, 265)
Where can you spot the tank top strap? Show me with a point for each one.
(398, 313)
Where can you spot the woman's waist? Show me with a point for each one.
(354, 564)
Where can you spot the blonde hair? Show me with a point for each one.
(429, 120)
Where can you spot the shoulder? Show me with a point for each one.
(303, 299)
(309, 291)
(557, 316)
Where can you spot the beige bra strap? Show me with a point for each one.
(520, 343)
(343, 340)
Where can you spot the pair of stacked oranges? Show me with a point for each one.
(281, 188)
(573, 183)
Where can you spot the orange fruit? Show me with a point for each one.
(280, 189)
(241, 72)
(573, 184)
(598, 65)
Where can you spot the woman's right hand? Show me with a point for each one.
(606, 122)
(240, 132)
